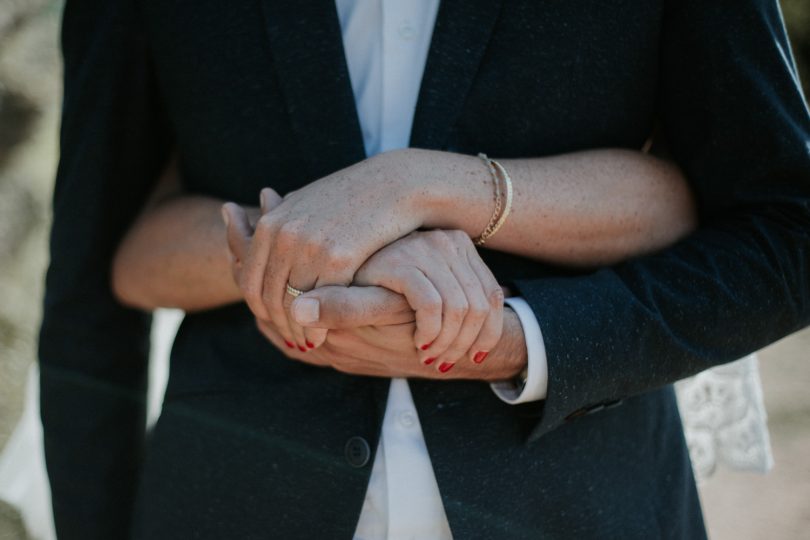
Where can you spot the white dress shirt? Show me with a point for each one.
(386, 44)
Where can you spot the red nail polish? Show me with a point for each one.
(480, 356)
(445, 367)
(428, 361)
(289, 344)
(302, 349)
(426, 346)
(310, 344)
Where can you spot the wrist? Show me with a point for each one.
(445, 190)
(509, 357)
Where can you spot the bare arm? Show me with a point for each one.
(585, 209)
(175, 254)
(590, 208)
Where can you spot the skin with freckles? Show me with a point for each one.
(322, 234)
(382, 348)
(432, 270)
(586, 209)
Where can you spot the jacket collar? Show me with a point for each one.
(307, 49)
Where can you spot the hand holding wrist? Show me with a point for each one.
(509, 358)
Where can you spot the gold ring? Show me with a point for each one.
(292, 291)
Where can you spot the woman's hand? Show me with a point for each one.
(458, 303)
(321, 234)
(371, 333)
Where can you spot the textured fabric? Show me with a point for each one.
(250, 444)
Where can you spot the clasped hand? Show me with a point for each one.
(383, 298)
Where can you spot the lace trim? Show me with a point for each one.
(724, 418)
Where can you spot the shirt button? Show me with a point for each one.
(357, 452)
(406, 30)
(407, 419)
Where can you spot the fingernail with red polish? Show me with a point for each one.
(310, 344)
(480, 356)
(428, 361)
(426, 346)
(302, 349)
(445, 367)
(289, 344)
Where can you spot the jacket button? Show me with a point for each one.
(357, 452)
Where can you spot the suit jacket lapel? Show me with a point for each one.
(461, 35)
(307, 49)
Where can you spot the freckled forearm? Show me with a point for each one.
(588, 208)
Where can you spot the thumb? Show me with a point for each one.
(336, 307)
(238, 229)
(269, 199)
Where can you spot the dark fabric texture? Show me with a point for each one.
(256, 93)
(92, 352)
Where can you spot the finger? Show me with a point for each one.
(296, 330)
(454, 310)
(237, 230)
(269, 199)
(285, 255)
(427, 302)
(492, 328)
(315, 337)
(337, 307)
(477, 312)
(301, 280)
(255, 266)
(275, 338)
(267, 331)
(421, 294)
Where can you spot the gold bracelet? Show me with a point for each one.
(507, 207)
(502, 208)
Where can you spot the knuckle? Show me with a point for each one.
(249, 290)
(459, 237)
(490, 337)
(338, 258)
(431, 307)
(291, 231)
(265, 222)
(496, 297)
(443, 239)
(436, 238)
(458, 309)
(267, 297)
(478, 311)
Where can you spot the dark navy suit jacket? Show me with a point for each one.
(253, 93)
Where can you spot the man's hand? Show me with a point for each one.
(371, 332)
(376, 320)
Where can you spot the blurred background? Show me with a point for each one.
(737, 505)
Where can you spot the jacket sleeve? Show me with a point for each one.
(92, 351)
(736, 122)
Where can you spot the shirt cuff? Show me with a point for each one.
(536, 387)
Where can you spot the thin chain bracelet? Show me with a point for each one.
(498, 216)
